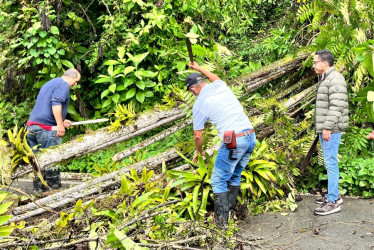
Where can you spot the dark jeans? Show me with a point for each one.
(43, 138)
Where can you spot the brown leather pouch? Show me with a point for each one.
(229, 139)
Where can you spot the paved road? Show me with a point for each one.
(351, 228)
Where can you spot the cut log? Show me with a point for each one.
(304, 83)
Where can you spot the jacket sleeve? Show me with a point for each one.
(337, 98)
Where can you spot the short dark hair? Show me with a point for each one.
(325, 55)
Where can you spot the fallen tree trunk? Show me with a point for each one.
(90, 187)
(296, 99)
(121, 155)
(271, 72)
(102, 139)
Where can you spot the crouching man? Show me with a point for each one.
(217, 103)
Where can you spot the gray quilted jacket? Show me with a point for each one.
(332, 103)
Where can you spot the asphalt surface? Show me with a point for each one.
(351, 228)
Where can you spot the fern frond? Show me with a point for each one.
(360, 35)
(359, 75)
(304, 12)
(344, 10)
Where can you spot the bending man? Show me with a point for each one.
(217, 103)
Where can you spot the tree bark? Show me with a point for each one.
(271, 72)
(121, 155)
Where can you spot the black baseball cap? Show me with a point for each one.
(193, 78)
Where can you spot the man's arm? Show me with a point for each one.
(198, 139)
(337, 90)
(211, 76)
(57, 113)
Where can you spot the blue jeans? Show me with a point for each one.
(43, 138)
(228, 171)
(330, 151)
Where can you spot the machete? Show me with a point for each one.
(85, 122)
(189, 49)
(309, 155)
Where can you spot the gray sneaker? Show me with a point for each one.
(327, 208)
(323, 199)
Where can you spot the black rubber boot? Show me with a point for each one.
(52, 176)
(221, 207)
(233, 194)
(38, 186)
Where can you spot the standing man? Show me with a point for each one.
(331, 119)
(50, 110)
(217, 103)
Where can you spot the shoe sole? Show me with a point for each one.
(329, 212)
(340, 201)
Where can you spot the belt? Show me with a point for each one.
(245, 133)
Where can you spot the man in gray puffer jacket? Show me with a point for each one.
(331, 120)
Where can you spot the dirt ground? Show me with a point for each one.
(351, 228)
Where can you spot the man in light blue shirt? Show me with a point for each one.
(217, 103)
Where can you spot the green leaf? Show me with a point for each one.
(4, 219)
(130, 93)
(138, 58)
(150, 74)
(54, 30)
(369, 63)
(129, 69)
(105, 93)
(116, 98)
(34, 53)
(126, 242)
(4, 207)
(3, 194)
(51, 50)
(120, 88)
(42, 34)
(5, 231)
(103, 79)
(112, 88)
(148, 94)
(110, 70)
(129, 81)
(61, 52)
(67, 64)
(121, 52)
(111, 62)
(39, 60)
(140, 85)
(107, 103)
(140, 97)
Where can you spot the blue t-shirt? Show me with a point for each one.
(218, 104)
(55, 92)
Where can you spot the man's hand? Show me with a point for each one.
(371, 135)
(67, 123)
(60, 130)
(196, 158)
(326, 134)
(195, 66)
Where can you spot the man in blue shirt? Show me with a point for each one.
(217, 103)
(50, 110)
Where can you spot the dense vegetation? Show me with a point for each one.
(133, 59)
